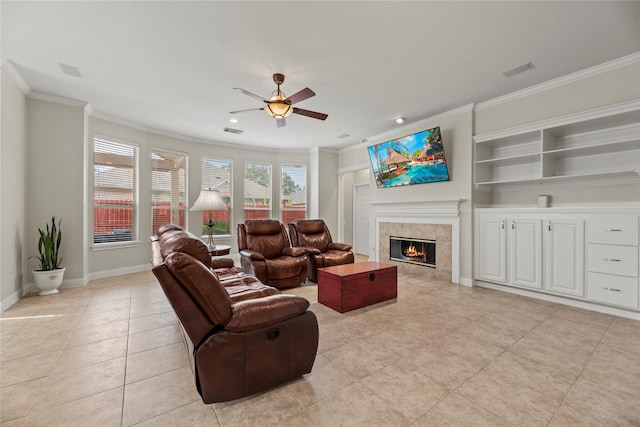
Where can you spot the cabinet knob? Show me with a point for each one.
(612, 229)
(612, 289)
(612, 259)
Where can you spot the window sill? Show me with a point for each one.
(115, 245)
(218, 237)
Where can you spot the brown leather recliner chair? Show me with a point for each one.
(266, 253)
(235, 348)
(313, 235)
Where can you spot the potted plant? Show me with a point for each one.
(49, 276)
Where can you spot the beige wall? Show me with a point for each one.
(55, 181)
(13, 151)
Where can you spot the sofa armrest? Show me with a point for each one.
(295, 252)
(339, 246)
(222, 263)
(263, 312)
(253, 255)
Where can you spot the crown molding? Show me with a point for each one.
(324, 150)
(8, 66)
(58, 99)
(354, 168)
(560, 81)
(181, 137)
(609, 110)
(402, 130)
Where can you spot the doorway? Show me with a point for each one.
(361, 219)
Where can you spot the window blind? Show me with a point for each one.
(115, 191)
(168, 188)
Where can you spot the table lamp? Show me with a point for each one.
(209, 200)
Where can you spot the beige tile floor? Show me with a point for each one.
(110, 353)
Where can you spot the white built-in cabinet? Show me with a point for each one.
(564, 256)
(588, 254)
(591, 146)
(510, 249)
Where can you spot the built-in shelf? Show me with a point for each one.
(595, 145)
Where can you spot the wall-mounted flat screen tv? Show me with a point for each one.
(413, 159)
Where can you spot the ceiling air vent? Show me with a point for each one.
(71, 70)
(517, 70)
(232, 130)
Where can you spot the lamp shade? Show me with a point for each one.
(209, 200)
(277, 107)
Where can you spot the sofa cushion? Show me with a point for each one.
(203, 286)
(185, 242)
(310, 226)
(166, 228)
(266, 237)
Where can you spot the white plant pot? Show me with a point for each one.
(48, 281)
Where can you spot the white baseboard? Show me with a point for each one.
(119, 271)
(464, 281)
(10, 300)
(74, 283)
(587, 305)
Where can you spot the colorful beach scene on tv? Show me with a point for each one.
(413, 159)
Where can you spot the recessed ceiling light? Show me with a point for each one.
(400, 120)
(233, 120)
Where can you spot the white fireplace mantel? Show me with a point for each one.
(428, 212)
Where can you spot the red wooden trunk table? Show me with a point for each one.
(350, 286)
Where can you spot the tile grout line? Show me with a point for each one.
(126, 360)
(564, 398)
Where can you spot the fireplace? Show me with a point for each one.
(413, 251)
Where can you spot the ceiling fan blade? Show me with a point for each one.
(312, 114)
(242, 111)
(301, 96)
(251, 94)
(281, 123)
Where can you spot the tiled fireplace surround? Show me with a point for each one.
(422, 220)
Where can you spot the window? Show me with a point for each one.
(293, 192)
(257, 191)
(115, 191)
(216, 175)
(168, 188)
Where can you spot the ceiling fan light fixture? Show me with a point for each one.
(277, 108)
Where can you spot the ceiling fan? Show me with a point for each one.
(279, 106)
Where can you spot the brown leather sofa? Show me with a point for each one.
(266, 253)
(241, 336)
(313, 235)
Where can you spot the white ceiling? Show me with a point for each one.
(172, 66)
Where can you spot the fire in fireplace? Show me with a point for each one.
(414, 251)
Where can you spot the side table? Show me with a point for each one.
(219, 250)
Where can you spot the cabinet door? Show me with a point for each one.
(564, 261)
(492, 249)
(525, 253)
